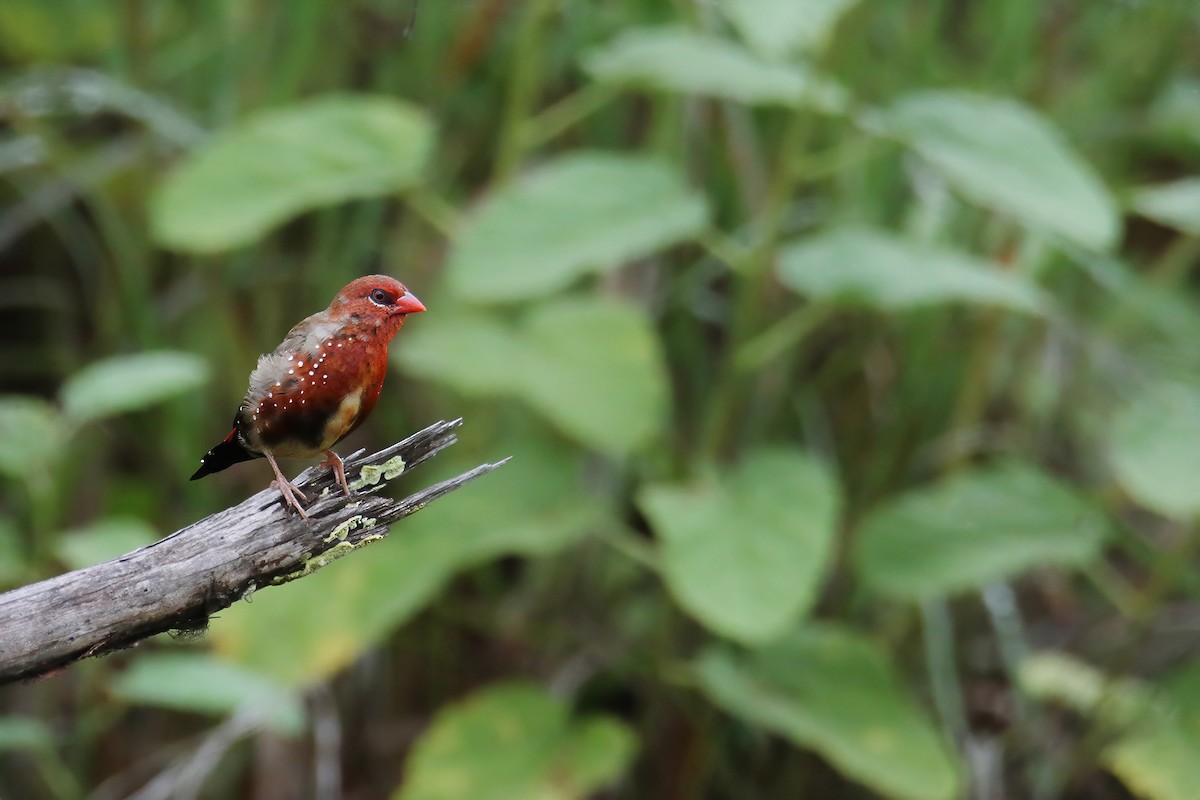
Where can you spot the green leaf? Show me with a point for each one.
(279, 163)
(779, 28)
(102, 540)
(974, 529)
(831, 690)
(595, 368)
(580, 214)
(859, 265)
(677, 60)
(25, 734)
(1174, 116)
(1060, 677)
(744, 552)
(121, 384)
(1175, 204)
(474, 353)
(534, 506)
(1154, 450)
(596, 752)
(1159, 763)
(31, 437)
(346, 608)
(1154, 729)
(592, 367)
(514, 740)
(1006, 157)
(1083, 688)
(206, 685)
(1157, 760)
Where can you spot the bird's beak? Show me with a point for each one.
(409, 304)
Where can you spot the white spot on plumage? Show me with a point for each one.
(304, 349)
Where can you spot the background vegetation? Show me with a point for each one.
(847, 353)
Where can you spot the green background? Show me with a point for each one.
(847, 353)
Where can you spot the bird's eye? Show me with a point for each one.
(381, 298)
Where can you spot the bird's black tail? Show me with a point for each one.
(226, 454)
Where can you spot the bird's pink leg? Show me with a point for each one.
(291, 494)
(339, 470)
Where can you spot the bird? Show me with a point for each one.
(318, 385)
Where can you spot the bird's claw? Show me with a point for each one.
(292, 496)
(334, 462)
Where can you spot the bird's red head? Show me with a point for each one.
(374, 306)
(376, 297)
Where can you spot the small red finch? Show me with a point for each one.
(318, 385)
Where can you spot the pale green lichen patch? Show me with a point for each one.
(311, 563)
(372, 474)
(393, 468)
(340, 533)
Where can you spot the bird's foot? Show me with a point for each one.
(339, 470)
(292, 496)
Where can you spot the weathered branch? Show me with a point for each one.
(177, 582)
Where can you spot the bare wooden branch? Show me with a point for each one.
(177, 582)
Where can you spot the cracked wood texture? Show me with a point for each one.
(177, 582)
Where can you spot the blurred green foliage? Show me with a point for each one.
(846, 352)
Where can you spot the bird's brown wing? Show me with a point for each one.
(302, 401)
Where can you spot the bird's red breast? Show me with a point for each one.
(325, 377)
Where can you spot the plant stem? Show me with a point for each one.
(1114, 587)
(976, 386)
(434, 209)
(1166, 573)
(631, 547)
(1001, 604)
(944, 682)
(1173, 268)
(566, 114)
(522, 88)
(784, 335)
(753, 275)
